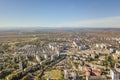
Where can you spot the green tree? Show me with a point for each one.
(5, 47)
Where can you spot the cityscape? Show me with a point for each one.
(60, 55)
(59, 40)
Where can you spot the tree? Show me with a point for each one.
(27, 77)
(5, 47)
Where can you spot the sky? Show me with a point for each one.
(59, 13)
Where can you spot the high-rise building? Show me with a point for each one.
(115, 75)
(65, 74)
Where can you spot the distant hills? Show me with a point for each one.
(55, 29)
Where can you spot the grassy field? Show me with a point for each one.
(54, 75)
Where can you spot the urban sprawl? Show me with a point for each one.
(60, 55)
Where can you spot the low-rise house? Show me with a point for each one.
(112, 50)
(32, 63)
(94, 74)
(102, 58)
(93, 55)
(116, 56)
(81, 68)
(84, 59)
(100, 63)
(117, 52)
(70, 75)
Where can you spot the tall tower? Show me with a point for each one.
(20, 64)
(58, 51)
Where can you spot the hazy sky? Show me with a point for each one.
(59, 13)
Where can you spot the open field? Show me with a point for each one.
(54, 74)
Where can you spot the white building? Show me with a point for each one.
(115, 75)
(46, 56)
(116, 56)
(74, 75)
(65, 74)
(52, 46)
(38, 58)
(101, 45)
